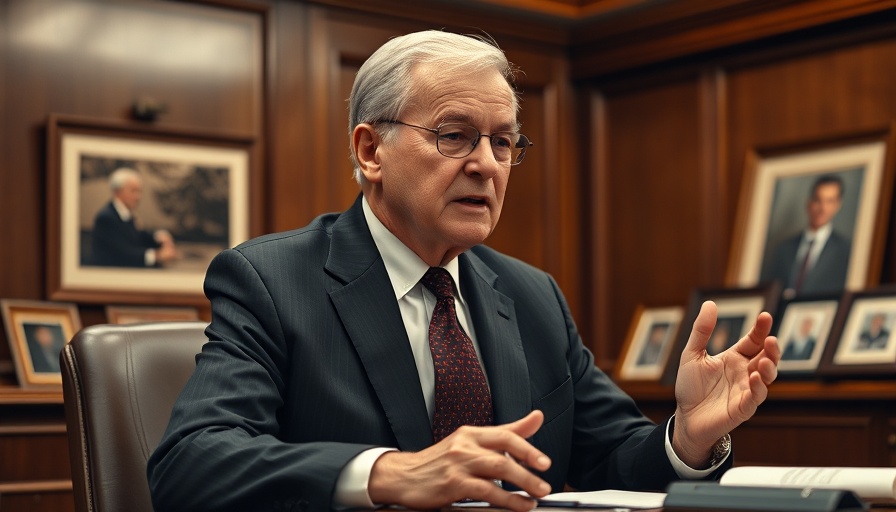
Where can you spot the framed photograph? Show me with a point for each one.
(37, 331)
(649, 342)
(737, 311)
(803, 333)
(813, 215)
(135, 213)
(866, 345)
(136, 314)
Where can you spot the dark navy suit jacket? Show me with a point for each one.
(309, 364)
(117, 243)
(828, 275)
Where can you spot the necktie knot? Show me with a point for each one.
(439, 282)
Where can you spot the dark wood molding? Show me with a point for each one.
(615, 45)
(787, 391)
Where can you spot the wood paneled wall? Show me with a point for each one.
(673, 144)
(641, 124)
(95, 59)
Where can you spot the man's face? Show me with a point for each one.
(877, 322)
(657, 335)
(440, 206)
(823, 205)
(44, 336)
(806, 326)
(129, 193)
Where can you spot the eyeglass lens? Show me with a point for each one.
(458, 140)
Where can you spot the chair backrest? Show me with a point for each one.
(119, 384)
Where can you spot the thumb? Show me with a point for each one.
(527, 426)
(700, 333)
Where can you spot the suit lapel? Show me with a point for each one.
(363, 297)
(498, 336)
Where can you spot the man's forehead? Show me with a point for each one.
(470, 98)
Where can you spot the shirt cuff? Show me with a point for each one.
(351, 487)
(149, 257)
(684, 471)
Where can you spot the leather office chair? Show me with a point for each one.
(119, 384)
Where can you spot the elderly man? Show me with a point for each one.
(116, 241)
(384, 356)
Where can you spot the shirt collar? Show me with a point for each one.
(122, 210)
(820, 235)
(404, 267)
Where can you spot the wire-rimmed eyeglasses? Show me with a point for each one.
(457, 140)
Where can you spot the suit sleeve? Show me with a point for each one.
(221, 450)
(115, 246)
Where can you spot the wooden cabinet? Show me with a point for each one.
(34, 463)
(849, 423)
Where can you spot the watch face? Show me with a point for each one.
(720, 450)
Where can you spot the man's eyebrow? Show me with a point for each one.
(457, 117)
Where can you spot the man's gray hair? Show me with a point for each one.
(120, 176)
(383, 86)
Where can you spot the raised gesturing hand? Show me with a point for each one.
(715, 394)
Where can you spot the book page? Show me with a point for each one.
(866, 482)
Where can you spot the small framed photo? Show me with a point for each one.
(137, 314)
(803, 333)
(37, 331)
(136, 212)
(813, 214)
(649, 343)
(866, 343)
(737, 311)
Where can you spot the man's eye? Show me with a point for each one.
(504, 140)
(452, 136)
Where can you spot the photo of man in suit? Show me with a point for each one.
(656, 340)
(801, 343)
(816, 260)
(383, 355)
(725, 334)
(116, 240)
(45, 342)
(876, 335)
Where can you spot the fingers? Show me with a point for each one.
(754, 342)
(465, 465)
(520, 449)
(510, 453)
(703, 326)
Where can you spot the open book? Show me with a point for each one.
(868, 483)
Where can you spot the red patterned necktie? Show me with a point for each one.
(462, 396)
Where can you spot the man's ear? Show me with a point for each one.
(365, 142)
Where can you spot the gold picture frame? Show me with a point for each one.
(37, 331)
(142, 314)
